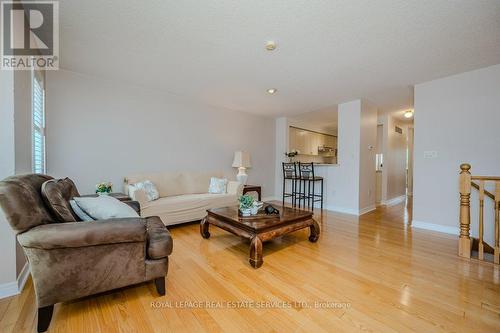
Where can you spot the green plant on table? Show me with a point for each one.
(246, 201)
(104, 187)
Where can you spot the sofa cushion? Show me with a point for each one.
(187, 207)
(176, 183)
(57, 193)
(159, 241)
(105, 207)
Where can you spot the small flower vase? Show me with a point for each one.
(102, 193)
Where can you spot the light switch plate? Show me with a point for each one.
(430, 154)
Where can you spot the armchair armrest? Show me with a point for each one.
(160, 242)
(83, 234)
(235, 187)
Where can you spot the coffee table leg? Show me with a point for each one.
(256, 253)
(204, 228)
(314, 229)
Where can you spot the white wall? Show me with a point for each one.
(459, 118)
(312, 126)
(394, 147)
(368, 142)
(8, 285)
(22, 119)
(395, 159)
(23, 138)
(15, 149)
(99, 130)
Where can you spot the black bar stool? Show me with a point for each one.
(308, 179)
(290, 173)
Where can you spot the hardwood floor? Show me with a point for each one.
(384, 276)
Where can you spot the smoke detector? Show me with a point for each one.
(270, 45)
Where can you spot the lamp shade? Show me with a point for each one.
(241, 160)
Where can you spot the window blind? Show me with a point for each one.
(38, 132)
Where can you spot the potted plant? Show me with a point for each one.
(291, 154)
(246, 204)
(103, 188)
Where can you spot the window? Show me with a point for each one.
(38, 122)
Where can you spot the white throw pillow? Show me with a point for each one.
(105, 207)
(148, 187)
(217, 186)
(79, 212)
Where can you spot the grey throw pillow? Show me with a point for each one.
(79, 212)
(105, 207)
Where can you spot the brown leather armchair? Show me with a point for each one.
(69, 260)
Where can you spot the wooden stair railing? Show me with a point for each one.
(465, 245)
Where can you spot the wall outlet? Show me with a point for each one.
(430, 154)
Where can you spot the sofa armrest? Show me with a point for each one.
(234, 187)
(140, 196)
(83, 234)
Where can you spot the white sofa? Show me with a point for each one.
(184, 196)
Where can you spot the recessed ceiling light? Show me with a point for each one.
(409, 114)
(272, 90)
(270, 45)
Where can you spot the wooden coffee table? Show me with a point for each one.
(261, 227)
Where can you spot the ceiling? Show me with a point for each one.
(328, 52)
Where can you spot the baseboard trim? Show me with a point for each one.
(336, 209)
(435, 227)
(8, 289)
(367, 209)
(15, 287)
(394, 201)
(23, 277)
(343, 210)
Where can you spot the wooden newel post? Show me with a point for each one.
(464, 243)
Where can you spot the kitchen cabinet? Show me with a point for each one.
(307, 142)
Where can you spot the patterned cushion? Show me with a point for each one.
(217, 186)
(148, 187)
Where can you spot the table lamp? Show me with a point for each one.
(241, 161)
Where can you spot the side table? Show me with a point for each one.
(253, 188)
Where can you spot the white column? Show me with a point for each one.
(350, 185)
(281, 148)
(8, 284)
(343, 180)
